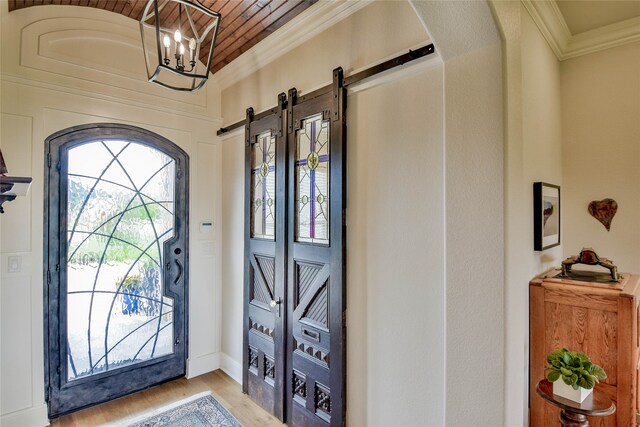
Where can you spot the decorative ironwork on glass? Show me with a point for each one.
(312, 181)
(263, 186)
(120, 211)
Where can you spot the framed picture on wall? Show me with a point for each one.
(546, 216)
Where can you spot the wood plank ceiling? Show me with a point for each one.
(244, 22)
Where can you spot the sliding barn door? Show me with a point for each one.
(265, 261)
(294, 332)
(316, 248)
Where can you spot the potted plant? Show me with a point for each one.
(579, 375)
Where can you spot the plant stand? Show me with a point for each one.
(575, 414)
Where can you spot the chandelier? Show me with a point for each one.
(178, 37)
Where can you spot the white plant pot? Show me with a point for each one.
(566, 391)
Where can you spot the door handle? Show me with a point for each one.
(276, 304)
(175, 282)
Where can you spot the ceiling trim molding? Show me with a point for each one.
(613, 35)
(548, 18)
(308, 24)
(554, 29)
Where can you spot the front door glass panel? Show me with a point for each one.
(120, 211)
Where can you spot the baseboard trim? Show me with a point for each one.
(36, 416)
(203, 364)
(231, 367)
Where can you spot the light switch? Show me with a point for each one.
(14, 264)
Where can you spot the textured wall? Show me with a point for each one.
(533, 152)
(466, 35)
(601, 152)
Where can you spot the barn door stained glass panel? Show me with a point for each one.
(120, 211)
(263, 186)
(312, 181)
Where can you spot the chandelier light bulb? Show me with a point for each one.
(192, 48)
(177, 36)
(166, 41)
(181, 49)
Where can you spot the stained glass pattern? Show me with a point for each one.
(312, 181)
(120, 210)
(263, 186)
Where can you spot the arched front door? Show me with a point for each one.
(115, 263)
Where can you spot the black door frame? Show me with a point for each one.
(61, 395)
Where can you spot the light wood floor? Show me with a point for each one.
(224, 389)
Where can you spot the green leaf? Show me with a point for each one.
(598, 372)
(553, 375)
(583, 357)
(566, 372)
(555, 355)
(587, 381)
(566, 357)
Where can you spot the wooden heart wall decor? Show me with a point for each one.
(604, 211)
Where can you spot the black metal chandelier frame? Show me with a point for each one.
(152, 12)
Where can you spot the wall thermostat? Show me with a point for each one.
(206, 227)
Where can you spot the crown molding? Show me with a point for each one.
(554, 29)
(311, 22)
(548, 18)
(602, 38)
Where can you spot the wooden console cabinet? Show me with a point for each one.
(598, 319)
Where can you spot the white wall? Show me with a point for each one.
(601, 152)
(466, 36)
(64, 66)
(533, 152)
(395, 282)
(395, 216)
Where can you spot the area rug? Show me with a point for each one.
(201, 410)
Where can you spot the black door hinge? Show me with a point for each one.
(49, 160)
(48, 277)
(177, 341)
